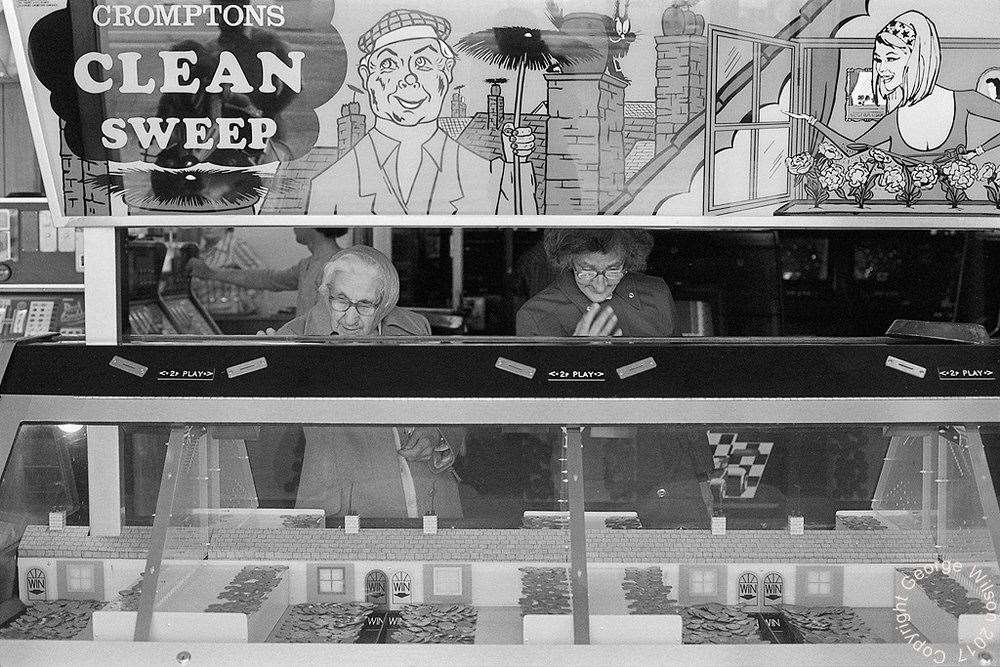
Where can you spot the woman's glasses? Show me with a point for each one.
(589, 275)
(342, 305)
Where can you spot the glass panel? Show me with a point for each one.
(734, 534)
(44, 497)
(288, 533)
(730, 182)
(772, 175)
(775, 82)
(423, 259)
(733, 80)
(710, 533)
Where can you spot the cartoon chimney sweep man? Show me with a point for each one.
(406, 164)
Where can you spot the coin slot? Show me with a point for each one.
(904, 366)
(516, 368)
(258, 364)
(131, 367)
(640, 366)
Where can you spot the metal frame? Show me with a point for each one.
(806, 655)
(15, 410)
(52, 192)
(543, 411)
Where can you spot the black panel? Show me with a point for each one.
(683, 369)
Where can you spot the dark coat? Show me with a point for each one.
(643, 304)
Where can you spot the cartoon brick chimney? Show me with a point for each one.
(351, 126)
(681, 71)
(494, 105)
(585, 159)
(458, 106)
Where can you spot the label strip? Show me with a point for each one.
(132, 367)
(258, 364)
(903, 366)
(516, 368)
(640, 366)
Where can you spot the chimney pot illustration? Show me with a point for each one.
(458, 106)
(351, 127)
(494, 108)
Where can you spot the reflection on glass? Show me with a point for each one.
(729, 185)
(772, 149)
(42, 488)
(756, 534)
(706, 533)
(733, 73)
(775, 77)
(289, 533)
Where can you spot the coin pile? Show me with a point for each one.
(435, 624)
(862, 523)
(323, 622)
(248, 589)
(544, 522)
(623, 523)
(947, 593)
(545, 590)
(828, 625)
(302, 521)
(130, 596)
(715, 623)
(54, 619)
(646, 593)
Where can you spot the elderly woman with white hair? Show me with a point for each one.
(374, 471)
(357, 296)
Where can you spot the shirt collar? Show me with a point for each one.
(385, 146)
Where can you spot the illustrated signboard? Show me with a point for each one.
(35, 578)
(376, 588)
(532, 107)
(402, 588)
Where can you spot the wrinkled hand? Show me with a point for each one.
(267, 332)
(801, 116)
(518, 141)
(598, 320)
(425, 443)
(419, 443)
(199, 269)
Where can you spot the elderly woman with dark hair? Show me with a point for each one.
(601, 290)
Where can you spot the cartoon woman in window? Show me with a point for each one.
(923, 119)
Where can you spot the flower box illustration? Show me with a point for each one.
(878, 182)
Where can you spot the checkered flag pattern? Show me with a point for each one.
(739, 465)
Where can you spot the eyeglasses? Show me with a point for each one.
(590, 275)
(342, 305)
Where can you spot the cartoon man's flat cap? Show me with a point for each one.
(401, 24)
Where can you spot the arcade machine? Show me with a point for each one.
(37, 312)
(188, 315)
(41, 279)
(171, 309)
